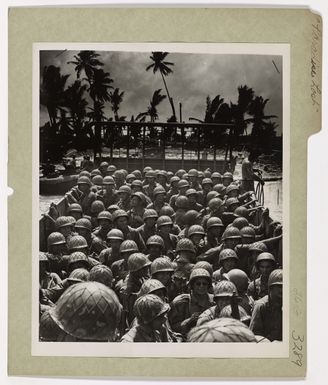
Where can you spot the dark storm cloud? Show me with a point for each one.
(194, 77)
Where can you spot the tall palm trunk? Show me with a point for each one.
(168, 95)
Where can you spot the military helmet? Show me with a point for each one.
(213, 222)
(227, 175)
(182, 202)
(79, 275)
(227, 254)
(102, 274)
(224, 289)
(130, 177)
(275, 278)
(137, 174)
(185, 244)
(166, 210)
(48, 328)
(180, 172)
(140, 195)
(231, 232)
(164, 220)
(239, 278)
(88, 311)
(183, 183)
(200, 174)
(119, 214)
(97, 206)
(97, 180)
(190, 217)
(174, 179)
(193, 172)
(84, 180)
(111, 168)
(226, 312)
(161, 264)
(258, 246)
(219, 188)
(191, 191)
(83, 223)
(56, 238)
(265, 257)
(104, 165)
(200, 273)
(196, 229)
(108, 180)
(71, 219)
(85, 173)
(241, 211)
(150, 286)
(62, 222)
(211, 195)
(113, 208)
(137, 261)
(231, 201)
(155, 240)
(136, 182)
(146, 169)
(115, 234)
(128, 246)
(159, 190)
(240, 222)
(74, 207)
(148, 307)
(77, 242)
(231, 187)
(150, 213)
(105, 215)
(124, 189)
(204, 265)
(248, 232)
(150, 174)
(207, 181)
(221, 330)
(78, 256)
(118, 174)
(214, 204)
(216, 175)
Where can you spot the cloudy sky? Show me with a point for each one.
(195, 76)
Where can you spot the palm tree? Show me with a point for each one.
(259, 119)
(52, 91)
(87, 62)
(116, 98)
(152, 108)
(75, 102)
(100, 84)
(159, 64)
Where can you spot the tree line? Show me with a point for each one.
(73, 109)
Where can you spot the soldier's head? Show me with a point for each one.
(228, 260)
(162, 177)
(56, 243)
(227, 179)
(139, 265)
(275, 283)
(83, 227)
(102, 274)
(196, 233)
(216, 178)
(185, 250)
(232, 191)
(214, 227)
(183, 186)
(64, 225)
(120, 220)
(75, 211)
(200, 281)
(104, 220)
(136, 186)
(114, 239)
(153, 286)
(77, 243)
(151, 310)
(193, 176)
(255, 250)
(162, 270)
(223, 293)
(159, 194)
(124, 193)
(207, 185)
(265, 264)
(155, 246)
(192, 195)
(231, 237)
(150, 217)
(109, 183)
(164, 225)
(84, 184)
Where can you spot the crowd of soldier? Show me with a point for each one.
(154, 256)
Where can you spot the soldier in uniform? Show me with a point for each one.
(108, 195)
(155, 247)
(186, 308)
(149, 227)
(138, 203)
(57, 247)
(267, 314)
(164, 225)
(124, 194)
(111, 254)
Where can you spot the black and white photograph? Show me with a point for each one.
(161, 197)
